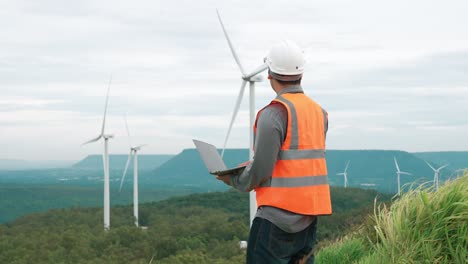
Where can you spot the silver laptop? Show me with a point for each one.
(213, 161)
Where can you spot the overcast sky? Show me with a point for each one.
(392, 74)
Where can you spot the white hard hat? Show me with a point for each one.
(286, 58)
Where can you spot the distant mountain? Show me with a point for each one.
(374, 169)
(145, 162)
(187, 169)
(455, 159)
(17, 164)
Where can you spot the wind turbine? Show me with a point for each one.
(251, 78)
(105, 159)
(133, 154)
(345, 174)
(462, 172)
(399, 173)
(436, 174)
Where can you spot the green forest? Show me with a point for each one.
(198, 228)
(19, 200)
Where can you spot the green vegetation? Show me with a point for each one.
(423, 226)
(19, 200)
(198, 228)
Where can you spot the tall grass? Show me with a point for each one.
(344, 251)
(422, 226)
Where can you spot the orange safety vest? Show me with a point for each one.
(299, 182)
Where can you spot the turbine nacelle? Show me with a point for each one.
(398, 168)
(105, 161)
(131, 155)
(138, 148)
(436, 174)
(345, 174)
(255, 78)
(399, 172)
(250, 78)
(434, 169)
(102, 134)
(108, 136)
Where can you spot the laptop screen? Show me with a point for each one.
(210, 156)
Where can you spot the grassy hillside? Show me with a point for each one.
(422, 227)
(199, 228)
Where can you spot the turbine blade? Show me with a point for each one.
(340, 173)
(442, 167)
(105, 108)
(92, 140)
(234, 54)
(396, 164)
(257, 71)
(128, 132)
(346, 168)
(125, 171)
(140, 146)
(234, 114)
(406, 173)
(430, 166)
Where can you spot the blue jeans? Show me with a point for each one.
(268, 244)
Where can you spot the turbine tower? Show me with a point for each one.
(399, 173)
(105, 158)
(462, 172)
(251, 78)
(133, 154)
(345, 175)
(436, 174)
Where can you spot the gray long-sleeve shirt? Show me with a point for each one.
(271, 131)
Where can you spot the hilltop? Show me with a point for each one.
(118, 161)
(373, 169)
(18, 164)
(369, 169)
(455, 159)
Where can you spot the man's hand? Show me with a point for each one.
(225, 178)
(244, 163)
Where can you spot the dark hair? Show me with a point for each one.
(287, 83)
(286, 80)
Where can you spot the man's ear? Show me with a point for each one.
(269, 77)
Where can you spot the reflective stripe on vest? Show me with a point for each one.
(301, 154)
(299, 181)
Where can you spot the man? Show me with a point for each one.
(288, 172)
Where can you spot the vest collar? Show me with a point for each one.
(292, 89)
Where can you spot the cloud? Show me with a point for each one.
(386, 82)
